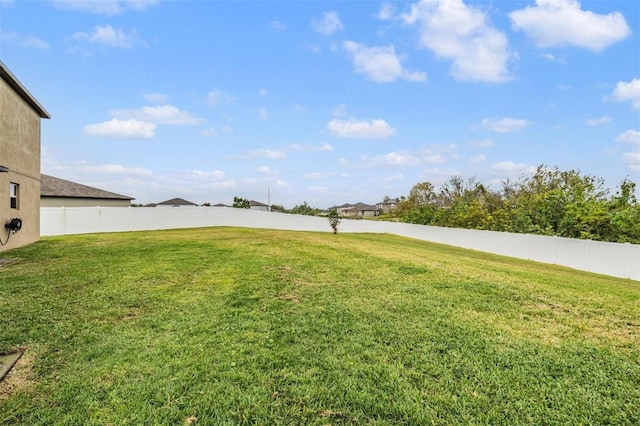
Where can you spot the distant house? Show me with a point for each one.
(357, 210)
(20, 119)
(174, 202)
(368, 211)
(346, 209)
(56, 192)
(257, 205)
(387, 205)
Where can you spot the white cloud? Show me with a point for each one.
(329, 24)
(217, 97)
(160, 114)
(555, 23)
(209, 174)
(505, 125)
(266, 170)
(340, 111)
(317, 189)
(464, 35)
(210, 133)
(435, 154)
(112, 169)
(628, 91)
(262, 114)
(263, 92)
(116, 128)
(311, 148)
(438, 176)
(109, 36)
(199, 179)
(630, 136)
(386, 12)
(374, 129)
(632, 160)
(380, 63)
(483, 143)
(598, 121)
(511, 170)
(392, 159)
(24, 41)
(277, 25)
(478, 159)
(156, 98)
(265, 153)
(314, 175)
(105, 7)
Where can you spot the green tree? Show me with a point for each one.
(241, 203)
(305, 209)
(334, 220)
(549, 202)
(625, 214)
(421, 195)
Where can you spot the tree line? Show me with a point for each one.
(547, 202)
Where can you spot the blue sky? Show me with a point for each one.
(326, 102)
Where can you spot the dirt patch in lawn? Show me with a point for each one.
(18, 377)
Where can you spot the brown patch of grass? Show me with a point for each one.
(551, 323)
(291, 297)
(305, 283)
(18, 378)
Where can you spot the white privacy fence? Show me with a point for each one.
(618, 260)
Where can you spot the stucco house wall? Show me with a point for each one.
(20, 116)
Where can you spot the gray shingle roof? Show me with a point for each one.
(176, 202)
(55, 187)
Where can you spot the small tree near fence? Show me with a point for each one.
(334, 220)
(241, 203)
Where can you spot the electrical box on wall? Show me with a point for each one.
(14, 225)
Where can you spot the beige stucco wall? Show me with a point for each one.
(20, 152)
(82, 202)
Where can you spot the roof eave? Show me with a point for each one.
(11, 79)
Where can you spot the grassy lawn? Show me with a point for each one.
(243, 326)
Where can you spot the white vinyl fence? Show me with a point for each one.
(618, 260)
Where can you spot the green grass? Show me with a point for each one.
(242, 326)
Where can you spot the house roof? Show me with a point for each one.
(176, 202)
(55, 187)
(257, 204)
(12, 81)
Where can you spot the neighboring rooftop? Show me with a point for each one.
(12, 81)
(174, 202)
(55, 187)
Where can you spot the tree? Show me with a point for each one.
(548, 202)
(241, 203)
(334, 220)
(421, 194)
(305, 209)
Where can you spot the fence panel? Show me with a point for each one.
(619, 260)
